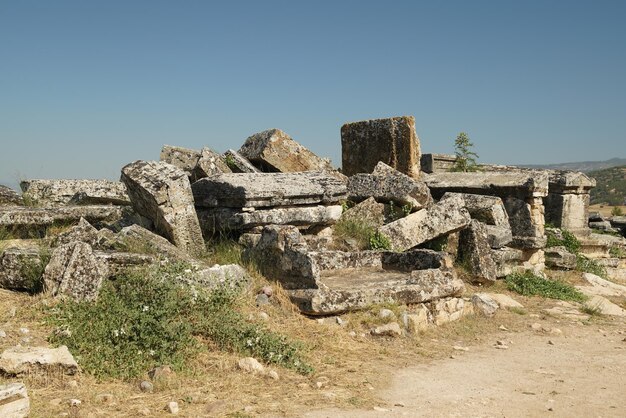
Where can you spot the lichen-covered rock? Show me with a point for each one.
(238, 190)
(487, 209)
(136, 239)
(184, 158)
(162, 193)
(51, 193)
(485, 304)
(74, 271)
(560, 258)
(392, 141)
(387, 184)
(14, 401)
(17, 267)
(273, 150)
(209, 163)
(427, 224)
(9, 197)
(368, 211)
(83, 232)
(475, 253)
(449, 309)
(238, 163)
(16, 361)
(224, 219)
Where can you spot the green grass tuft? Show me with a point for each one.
(528, 284)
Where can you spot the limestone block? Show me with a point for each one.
(74, 271)
(161, 192)
(15, 265)
(526, 218)
(238, 163)
(484, 304)
(139, 240)
(273, 150)
(489, 210)
(51, 193)
(424, 225)
(392, 141)
(505, 301)
(560, 258)
(386, 184)
(475, 252)
(14, 401)
(209, 163)
(239, 190)
(16, 361)
(568, 211)
(507, 260)
(9, 197)
(83, 232)
(368, 211)
(224, 219)
(418, 320)
(183, 158)
(449, 309)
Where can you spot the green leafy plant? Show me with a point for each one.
(378, 241)
(465, 157)
(617, 252)
(529, 284)
(566, 239)
(588, 265)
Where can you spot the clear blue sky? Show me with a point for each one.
(88, 86)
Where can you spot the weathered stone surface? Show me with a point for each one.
(83, 232)
(209, 163)
(238, 163)
(119, 262)
(489, 210)
(485, 304)
(602, 225)
(424, 225)
(74, 271)
(273, 150)
(604, 287)
(183, 158)
(498, 236)
(228, 275)
(18, 360)
(392, 141)
(434, 163)
(162, 193)
(223, 219)
(239, 190)
(328, 282)
(418, 320)
(560, 258)
(368, 211)
(449, 309)
(391, 329)
(15, 265)
(139, 240)
(505, 301)
(14, 401)
(568, 211)
(387, 184)
(526, 218)
(9, 197)
(502, 184)
(475, 252)
(507, 260)
(51, 193)
(605, 306)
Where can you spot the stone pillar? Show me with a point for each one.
(567, 203)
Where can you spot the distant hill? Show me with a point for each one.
(610, 186)
(584, 166)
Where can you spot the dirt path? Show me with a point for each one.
(580, 373)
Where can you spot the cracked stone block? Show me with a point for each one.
(51, 193)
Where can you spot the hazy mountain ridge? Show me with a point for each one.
(584, 166)
(610, 186)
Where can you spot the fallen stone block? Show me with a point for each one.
(209, 163)
(392, 141)
(484, 304)
(391, 329)
(605, 306)
(74, 271)
(449, 309)
(434, 163)
(136, 239)
(51, 193)
(225, 219)
(604, 287)
(14, 401)
(18, 267)
(387, 184)
(238, 163)
(118, 263)
(268, 190)
(17, 361)
(475, 253)
(275, 151)
(9, 197)
(228, 275)
(184, 158)
(559, 258)
(508, 260)
(427, 224)
(83, 232)
(162, 193)
(505, 301)
(489, 210)
(368, 211)
(418, 320)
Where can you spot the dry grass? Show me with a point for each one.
(605, 210)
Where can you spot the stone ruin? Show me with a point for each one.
(285, 205)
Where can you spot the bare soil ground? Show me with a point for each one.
(605, 210)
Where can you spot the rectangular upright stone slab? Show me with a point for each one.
(51, 193)
(424, 225)
(162, 193)
(475, 251)
(392, 141)
(273, 150)
(238, 190)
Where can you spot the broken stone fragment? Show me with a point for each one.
(83, 232)
(238, 163)
(424, 225)
(224, 219)
(392, 141)
(209, 163)
(74, 271)
(119, 262)
(475, 253)
(58, 192)
(9, 197)
(18, 265)
(487, 209)
(16, 361)
(368, 211)
(387, 184)
(14, 401)
(560, 258)
(228, 275)
(238, 190)
(275, 151)
(136, 239)
(196, 164)
(507, 260)
(162, 193)
(449, 309)
(484, 304)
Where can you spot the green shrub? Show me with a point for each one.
(528, 284)
(588, 265)
(378, 241)
(147, 318)
(617, 252)
(617, 211)
(567, 240)
(465, 157)
(364, 235)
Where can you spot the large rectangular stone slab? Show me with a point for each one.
(51, 193)
(9, 197)
(392, 141)
(238, 190)
(424, 225)
(502, 184)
